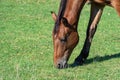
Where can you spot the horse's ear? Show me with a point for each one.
(65, 21)
(54, 16)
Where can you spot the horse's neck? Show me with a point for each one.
(73, 9)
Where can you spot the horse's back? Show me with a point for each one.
(113, 3)
(116, 5)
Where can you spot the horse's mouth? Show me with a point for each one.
(62, 65)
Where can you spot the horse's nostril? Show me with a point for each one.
(59, 66)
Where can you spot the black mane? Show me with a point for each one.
(60, 14)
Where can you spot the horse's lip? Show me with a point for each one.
(62, 66)
(62, 63)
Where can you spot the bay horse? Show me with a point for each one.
(65, 34)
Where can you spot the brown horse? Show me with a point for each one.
(65, 35)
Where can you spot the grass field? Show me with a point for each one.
(26, 49)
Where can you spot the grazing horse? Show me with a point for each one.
(65, 35)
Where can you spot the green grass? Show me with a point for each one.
(26, 49)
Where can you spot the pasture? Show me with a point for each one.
(26, 48)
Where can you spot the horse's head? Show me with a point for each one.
(65, 38)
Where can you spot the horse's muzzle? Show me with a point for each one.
(61, 65)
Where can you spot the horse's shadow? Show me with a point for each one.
(97, 59)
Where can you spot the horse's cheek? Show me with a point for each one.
(73, 40)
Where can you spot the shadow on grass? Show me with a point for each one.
(97, 59)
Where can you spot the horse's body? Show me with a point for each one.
(65, 35)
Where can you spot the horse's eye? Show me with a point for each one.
(64, 39)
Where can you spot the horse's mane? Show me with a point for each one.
(62, 9)
(60, 13)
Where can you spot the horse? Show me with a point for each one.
(65, 34)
